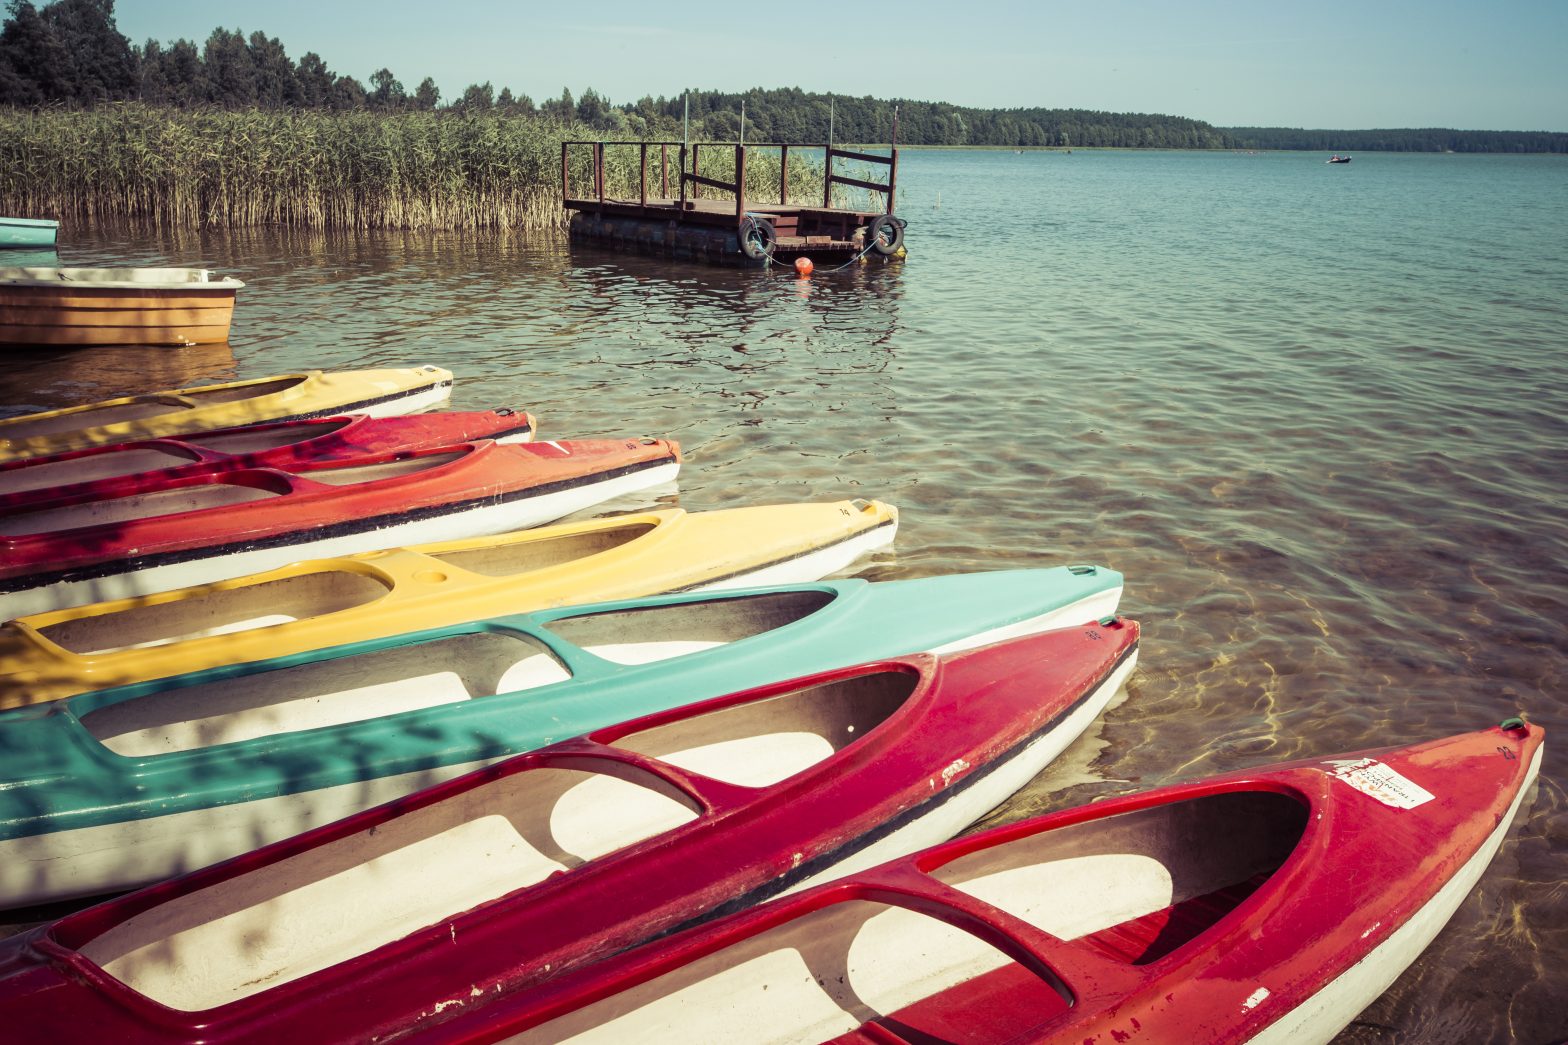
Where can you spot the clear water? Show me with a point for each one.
(1318, 415)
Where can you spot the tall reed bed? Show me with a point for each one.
(173, 168)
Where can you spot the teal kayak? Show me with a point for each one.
(28, 232)
(127, 785)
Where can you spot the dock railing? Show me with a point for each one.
(692, 182)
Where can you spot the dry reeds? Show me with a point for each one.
(173, 168)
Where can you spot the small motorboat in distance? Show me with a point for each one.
(447, 902)
(1267, 906)
(1337, 158)
(138, 535)
(124, 786)
(128, 306)
(326, 602)
(281, 444)
(181, 411)
(27, 233)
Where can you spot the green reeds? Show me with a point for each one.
(172, 168)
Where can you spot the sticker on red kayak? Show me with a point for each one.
(1372, 777)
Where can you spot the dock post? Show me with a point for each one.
(696, 168)
(783, 175)
(681, 213)
(892, 168)
(598, 169)
(642, 173)
(566, 179)
(892, 180)
(740, 183)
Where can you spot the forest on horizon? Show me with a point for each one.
(69, 53)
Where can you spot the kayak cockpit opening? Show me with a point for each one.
(243, 389)
(1140, 884)
(220, 611)
(761, 742)
(187, 496)
(1133, 887)
(511, 558)
(323, 906)
(327, 905)
(319, 693)
(92, 468)
(334, 474)
(643, 635)
(260, 438)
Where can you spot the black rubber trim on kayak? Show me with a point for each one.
(349, 408)
(788, 558)
(823, 861)
(119, 567)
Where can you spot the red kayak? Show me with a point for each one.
(156, 533)
(1265, 906)
(460, 896)
(102, 470)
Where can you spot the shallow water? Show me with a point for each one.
(1318, 415)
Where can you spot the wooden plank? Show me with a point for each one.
(864, 157)
(712, 183)
(111, 299)
(168, 337)
(873, 186)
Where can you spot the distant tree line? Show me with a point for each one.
(791, 115)
(70, 53)
(1424, 139)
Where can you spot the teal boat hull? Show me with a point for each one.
(77, 817)
(26, 233)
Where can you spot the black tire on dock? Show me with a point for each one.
(885, 234)
(757, 237)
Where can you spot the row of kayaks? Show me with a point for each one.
(646, 777)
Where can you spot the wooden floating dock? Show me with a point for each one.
(733, 230)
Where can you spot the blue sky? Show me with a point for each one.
(1339, 64)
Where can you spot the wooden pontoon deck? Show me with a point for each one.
(731, 230)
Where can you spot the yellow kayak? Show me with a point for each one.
(326, 602)
(180, 411)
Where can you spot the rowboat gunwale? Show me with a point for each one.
(151, 280)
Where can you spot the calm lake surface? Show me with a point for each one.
(1318, 415)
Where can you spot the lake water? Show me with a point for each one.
(1318, 415)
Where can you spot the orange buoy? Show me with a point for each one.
(803, 266)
